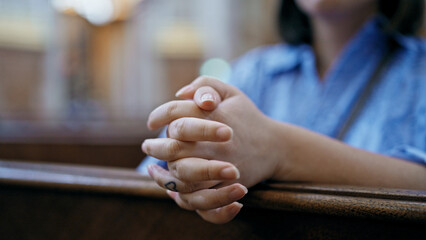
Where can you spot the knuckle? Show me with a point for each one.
(191, 187)
(177, 128)
(201, 79)
(205, 131)
(196, 202)
(179, 171)
(205, 173)
(172, 169)
(210, 172)
(158, 180)
(186, 172)
(173, 148)
(171, 109)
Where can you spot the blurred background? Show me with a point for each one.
(78, 78)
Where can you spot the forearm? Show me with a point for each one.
(307, 156)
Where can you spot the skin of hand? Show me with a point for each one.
(306, 156)
(197, 133)
(189, 154)
(296, 153)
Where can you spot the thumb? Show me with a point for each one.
(207, 98)
(207, 85)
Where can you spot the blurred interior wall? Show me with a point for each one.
(22, 52)
(58, 66)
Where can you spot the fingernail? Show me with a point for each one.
(184, 90)
(224, 133)
(171, 194)
(245, 189)
(236, 208)
(207, 97)
(230, 173)
(144, 147)
(149, 168)
(238, 193)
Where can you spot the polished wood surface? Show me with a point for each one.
(128, 155)
(44, 201)
(114, 144)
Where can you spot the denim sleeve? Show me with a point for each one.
(415, 149)
(409, 153)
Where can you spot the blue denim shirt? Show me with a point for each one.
(283, 82)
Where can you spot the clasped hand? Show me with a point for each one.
(218, 144)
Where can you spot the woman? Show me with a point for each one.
(350, 70)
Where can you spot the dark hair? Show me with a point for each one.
(404, 16)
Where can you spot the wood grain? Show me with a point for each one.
(59, 201)
(89, 143)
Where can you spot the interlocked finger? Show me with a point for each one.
(208, 199)
(195, 129)
(165, 180)
(198, 169)
(173, 110)
(221, 215)
(168, 149)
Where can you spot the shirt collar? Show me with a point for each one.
(413, 43)
(410, 42)
(282, 58)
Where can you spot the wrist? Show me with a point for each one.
(279, 154)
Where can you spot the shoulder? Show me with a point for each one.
(270, 58)
(420, 56)
(410, 59)
(412, 52)
(414, 59)
(408, 76)
(254, 68)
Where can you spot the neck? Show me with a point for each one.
(331, 34)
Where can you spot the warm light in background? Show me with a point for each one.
(109, 61)
(180, 39)
(97, 12)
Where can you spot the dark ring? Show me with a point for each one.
(171, 186)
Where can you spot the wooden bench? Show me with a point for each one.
(58, 201)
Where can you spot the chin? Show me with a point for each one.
(330, 8)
